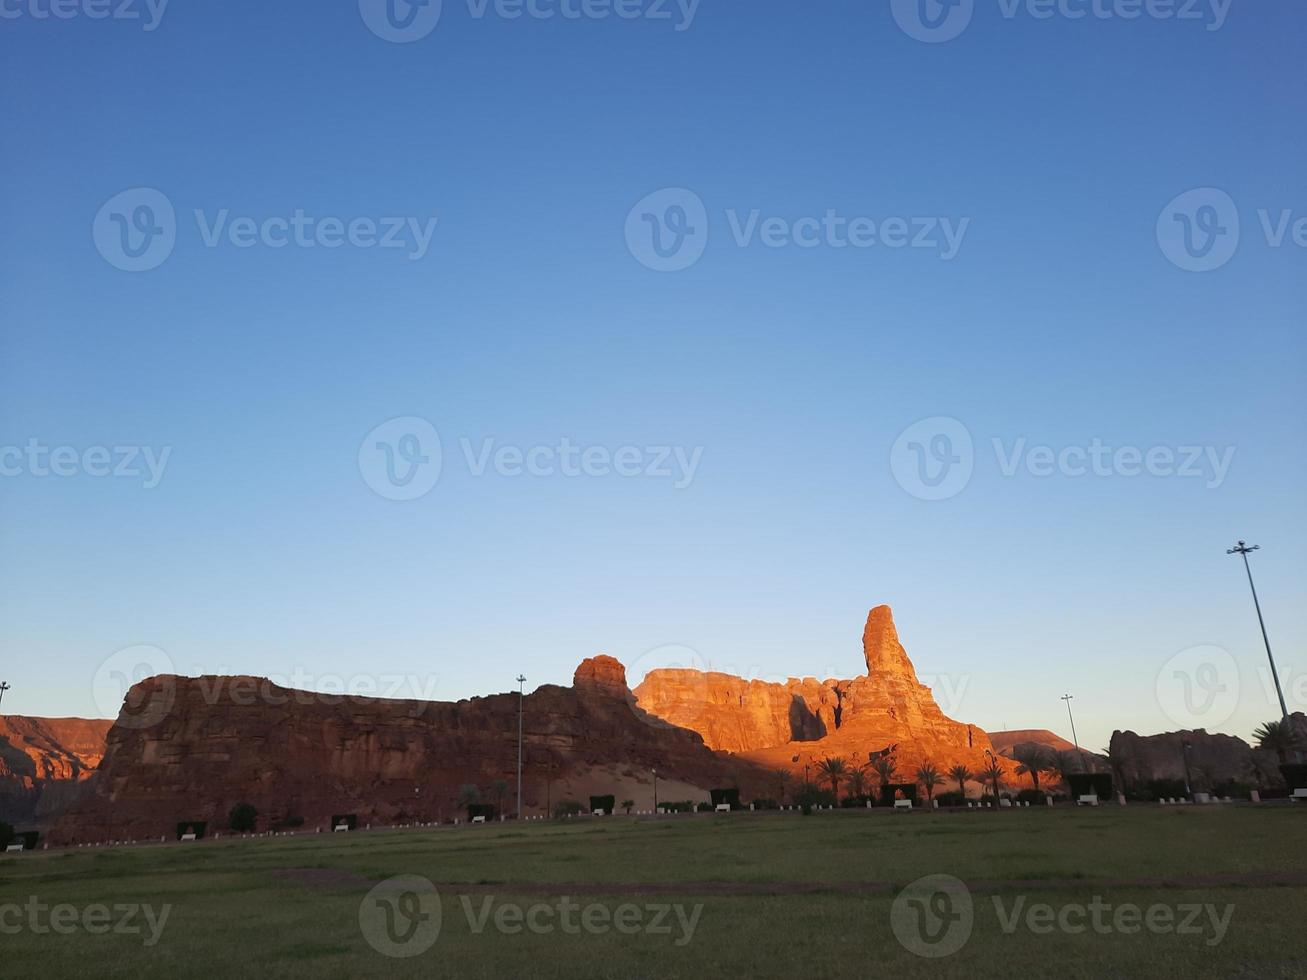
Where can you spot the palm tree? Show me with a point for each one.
(885, 768)
(993, 772)
(499, 788)
(1034, 760)
(627, 804)
(1063, 762)
(1277, 737)
(834, 769)
(961, 774)
(468, 794)
(929, 777)
(857, 783)
(782, 776)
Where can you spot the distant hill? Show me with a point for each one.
(1005, 742)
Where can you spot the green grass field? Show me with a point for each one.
(1196, 892)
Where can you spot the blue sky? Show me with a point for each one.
(531, 317)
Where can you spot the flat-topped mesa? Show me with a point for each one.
(603, 675)
(884, 653)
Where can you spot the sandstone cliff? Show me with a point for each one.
(42, 763)
(802, 721)
(1212, 757)
(191, 748)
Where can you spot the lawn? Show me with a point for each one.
(1144, 891)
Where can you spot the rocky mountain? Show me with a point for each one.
(43, 762)
(1212, 756)
(1008, 742)
(191, 748)
(802, 721)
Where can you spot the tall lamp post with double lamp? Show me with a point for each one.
(1243, 551)
(521, 701)
(4, 686)
(1068, 698)
(655, 776)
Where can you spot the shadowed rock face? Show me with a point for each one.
(804, 720)
(1212, 756)
(191, 748)
(43, 761)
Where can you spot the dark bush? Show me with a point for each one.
(1233, 789)
(1032, 796)
(813, 796)
(475, 810)
(850, 802)
(242, 818)
(288, 823)
(951, 799)
(566, 808)
(728, 796)
(897, 791)
(196, 827)
(605, 803)
(765, 804)
(1084, 783)
(6, 834)
(1295, 776)
(677, 806)
(1166, 789)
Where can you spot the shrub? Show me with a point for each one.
(813, 796)
(627, 805)
(728, 796)
(859, 801)
(1166, 789)
(6, 834)
(288, 823)
(766, 804)
(605, 803)
(1295, 776)
(704, 807)
(679, 806)
(242, 818)
(898, 791)
(953, 798)
(1098, 783)
(566, 808)
(1233, 789)
(1031, 796)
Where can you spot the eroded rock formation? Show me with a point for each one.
(805, 720)
(1213, 758)
(43, 761)
(191, 748)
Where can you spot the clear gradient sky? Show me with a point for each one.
(1062, 319)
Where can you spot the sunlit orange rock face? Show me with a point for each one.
(805, 720)
(43, 761)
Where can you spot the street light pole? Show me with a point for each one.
(1242, 550)
(521, 700)
(1068, 698)
(655, 776)
(4, 686)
